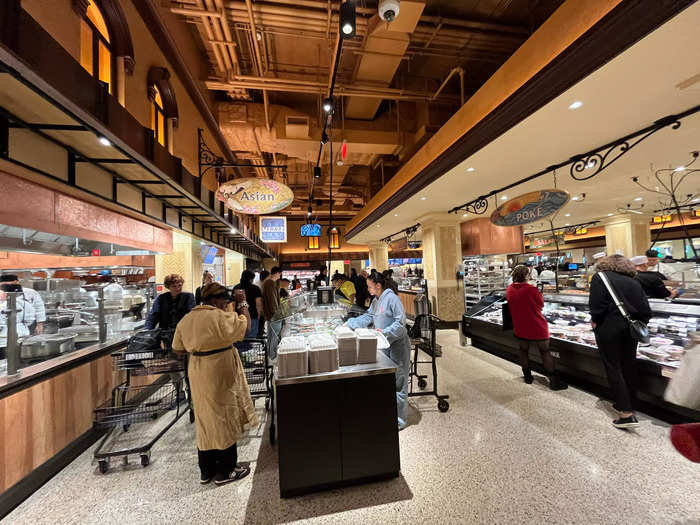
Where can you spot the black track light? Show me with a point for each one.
(317, 172)
(347, 19)
(324, 138)
(310, 211)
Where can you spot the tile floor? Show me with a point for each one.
(506, 452)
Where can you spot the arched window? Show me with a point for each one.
(158, 117)
(95, 45)
(164, 112)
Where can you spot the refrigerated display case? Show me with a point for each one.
(573, 345)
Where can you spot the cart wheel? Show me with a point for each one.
(145, 460)
(104, 466)
(273, 434)
(191, 416)
(443, 406)
(267, 404)
(422, 383)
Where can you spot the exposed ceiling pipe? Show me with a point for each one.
(370, 92)
(447, 79)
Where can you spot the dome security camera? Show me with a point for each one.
(388, 9)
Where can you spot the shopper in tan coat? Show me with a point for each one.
(223, 407)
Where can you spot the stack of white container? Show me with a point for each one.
(323, 353)
(366, 345)
(293, 357)
(347, 345)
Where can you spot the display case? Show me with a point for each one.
(483, 274)
(573, 345)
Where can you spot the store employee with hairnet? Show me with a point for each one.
(31, 296)
(388, 316)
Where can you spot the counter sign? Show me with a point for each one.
(530, 207)
(273, 229)
(255, 196)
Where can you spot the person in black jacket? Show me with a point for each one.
(171, 306)
(617, 347)
(207, 278)
(652, 282)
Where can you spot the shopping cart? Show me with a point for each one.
(258, 373)
(423, 337)
(142, 404)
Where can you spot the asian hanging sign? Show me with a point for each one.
(273, 229)
(255, 196)
(530, 207)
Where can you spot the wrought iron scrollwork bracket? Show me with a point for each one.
(598, 160)
(478, 206)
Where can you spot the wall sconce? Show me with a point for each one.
(312, 243)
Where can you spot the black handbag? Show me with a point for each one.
(145, 341)
(507, 318)
(638, 330)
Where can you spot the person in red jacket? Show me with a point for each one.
(529, 325)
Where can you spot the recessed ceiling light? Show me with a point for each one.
(697, 199)
(465, 215)
(378, 225)
(470, 169)
(638, 199)
(423, 198)
(396, 214)
(567, 215)
(566, 224)
(105, 141)
(680, 168)
(234, 230)
(574, 198)
(504, 198)
(610, 214)
(576, 104)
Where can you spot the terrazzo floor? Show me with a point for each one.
(506, 452)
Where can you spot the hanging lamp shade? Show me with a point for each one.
(312, 243)
(334, 238)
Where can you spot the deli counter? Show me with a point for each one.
(574, 348)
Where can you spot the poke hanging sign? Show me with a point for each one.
(255, 196)
(530, 207)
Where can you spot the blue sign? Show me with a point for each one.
(530, 207)
(273, 229)
(311, 230)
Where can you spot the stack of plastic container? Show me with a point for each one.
(323, 353)
(292, 357)
(366, 345)
(347, 345)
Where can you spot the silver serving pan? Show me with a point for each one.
(43, 346)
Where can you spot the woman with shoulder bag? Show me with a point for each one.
(616, 343)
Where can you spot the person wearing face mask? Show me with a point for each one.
(171, 306)
(221, 398)
(387, 315)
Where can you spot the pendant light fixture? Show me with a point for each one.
(334, 238)
(312, 243)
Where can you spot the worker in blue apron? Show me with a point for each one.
(388, 316)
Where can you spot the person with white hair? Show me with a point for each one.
(652, 282)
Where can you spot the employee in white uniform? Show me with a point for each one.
(25, 313)
(32, 297)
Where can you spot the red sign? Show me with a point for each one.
(344, 150)
(96, 252)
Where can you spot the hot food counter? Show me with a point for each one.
(335, 400)
(574, 348)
